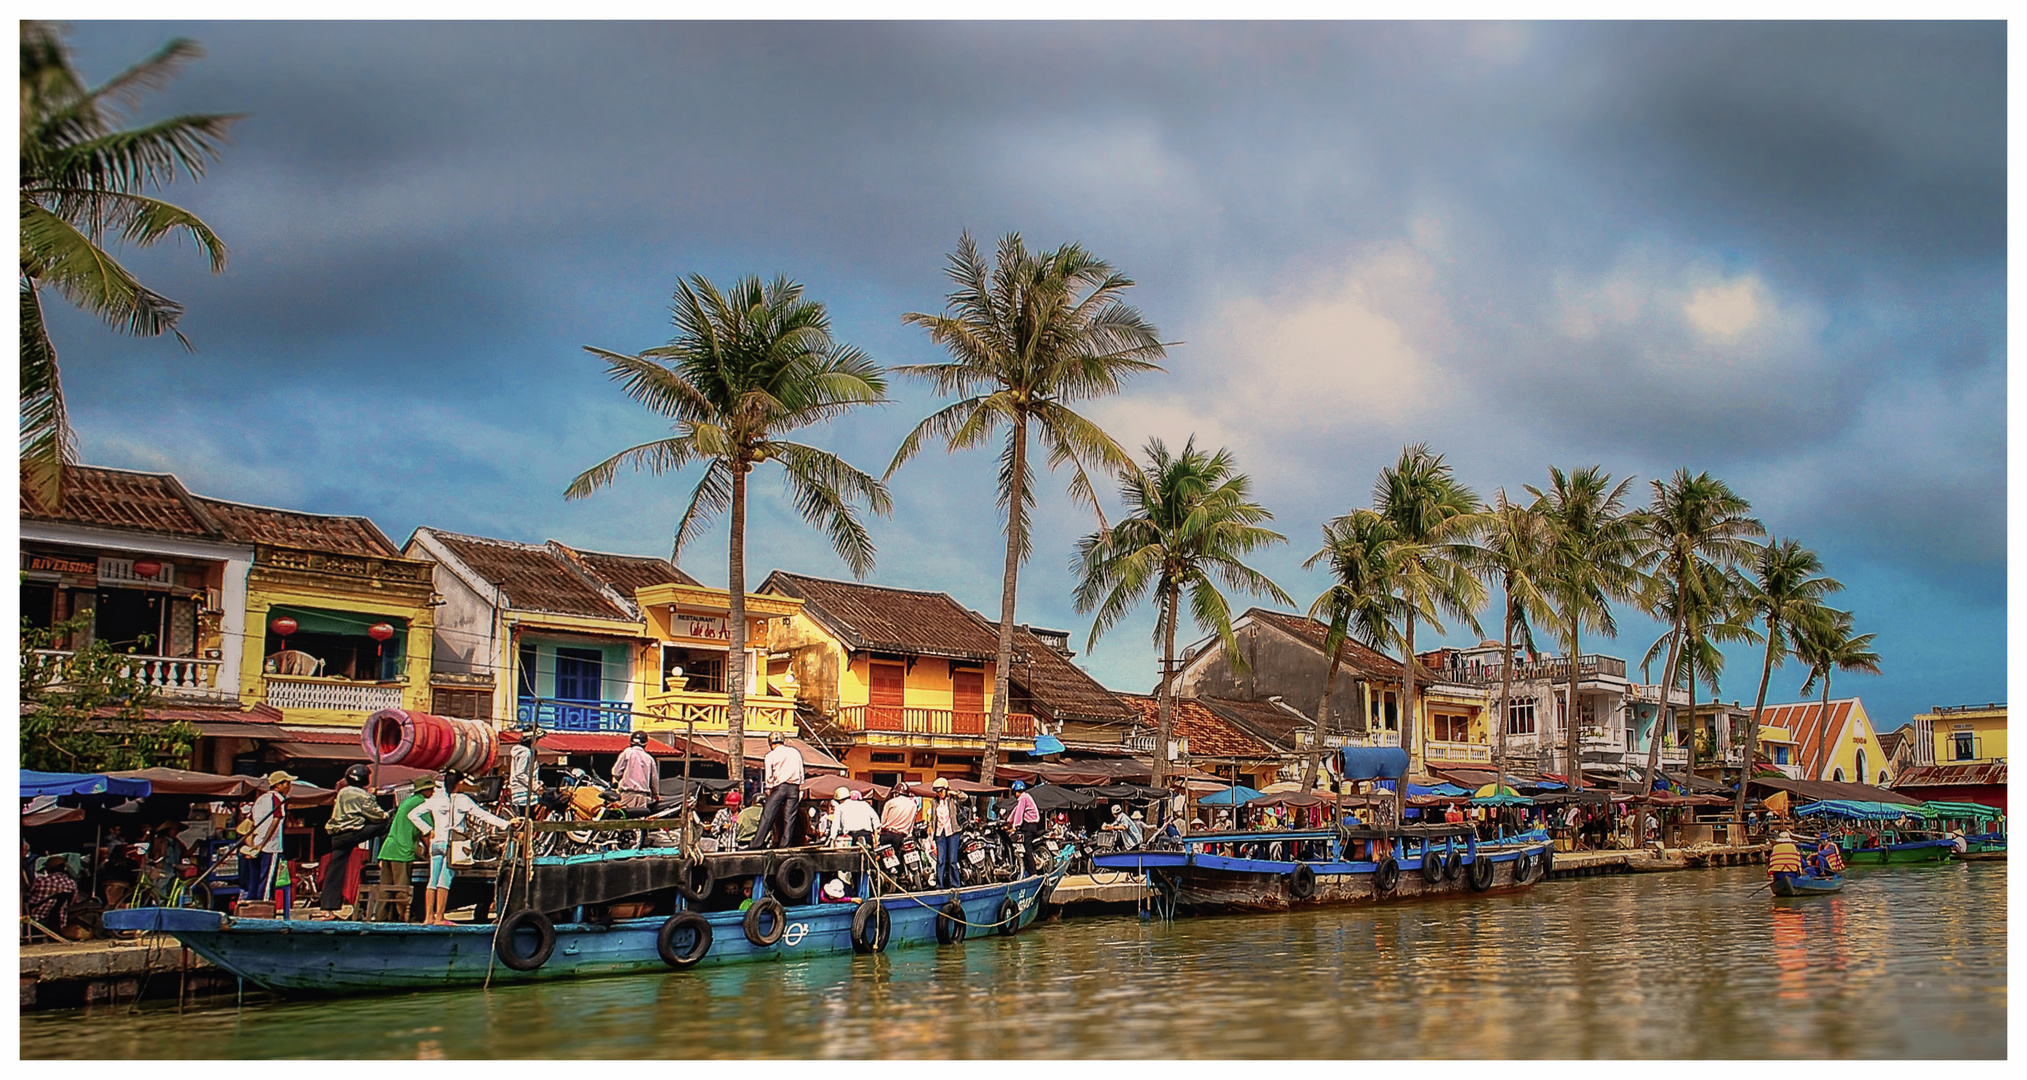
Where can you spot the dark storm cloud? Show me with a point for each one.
(1770, 250)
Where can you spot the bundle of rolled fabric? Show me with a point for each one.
(420, 740)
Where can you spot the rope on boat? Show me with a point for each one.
(1020, 906)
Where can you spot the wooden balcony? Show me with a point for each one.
(173, 676)
(908, 720)
(331, 694)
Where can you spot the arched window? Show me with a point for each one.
(1861, 766)
(1838, 775)
(1882, 778)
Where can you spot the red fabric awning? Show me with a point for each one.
(55, 815)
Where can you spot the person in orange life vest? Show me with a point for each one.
(1827, 859)
(1784, 857)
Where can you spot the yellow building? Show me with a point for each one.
(1960, 735)
(342, 621)
(1839, 744)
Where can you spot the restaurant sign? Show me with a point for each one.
(58, 564)
(700, 627)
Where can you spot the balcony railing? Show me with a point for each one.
(173, 675)
(761, 712)
(575, 715)
(336, 695)
(1554, 669)
(1440, 750)
(907, 720)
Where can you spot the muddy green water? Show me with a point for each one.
(1909, 962)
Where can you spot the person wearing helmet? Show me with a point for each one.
(356, 817)
(899, 816)
(1025, 818)
(725, 823)
(636, 774)
(781, 776)
(853, 821)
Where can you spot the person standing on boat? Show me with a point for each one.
(356, 817)
(1025, 818)
(946, 825)
(520, 772)
(436, 820)
(781, 773)
(397, 852)
(637, 775)
(269, 812)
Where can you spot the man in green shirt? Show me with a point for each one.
(398, 850)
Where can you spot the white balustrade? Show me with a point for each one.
(175, 675)
(340, 695)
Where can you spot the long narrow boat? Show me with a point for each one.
(1237, 871)
(348, 957)
(1891, 851)
(1806, 884)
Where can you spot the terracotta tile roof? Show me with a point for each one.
(333, 533)
(1263, 720)
(533, 576)
(118, 499)
(1209, 735)
(1990, 772)
(1815, 739)
(1060, 689)
(875, 618)
(629, 572)
(1353, 657)
(1889, 741)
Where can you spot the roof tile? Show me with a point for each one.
(293, 528)
(118, 499)
(533, 577)
(1209, 735)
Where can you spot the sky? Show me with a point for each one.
(1773, 251)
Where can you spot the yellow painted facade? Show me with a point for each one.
(1454, 725)
(392, 588)
(693, 616)
(830, 678)
(1965, 735)
(1856, 757)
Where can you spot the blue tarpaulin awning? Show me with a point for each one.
(1860, 811)
(1047, 744)
(1374, 762)
(35, 783)
(1445, 790)
(1231, 796)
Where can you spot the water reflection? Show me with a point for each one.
(1907, 962)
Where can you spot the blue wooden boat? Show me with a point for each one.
(1806, 884)
(347, 957)
(1267, 871)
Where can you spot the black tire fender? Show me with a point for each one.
(1386, 877)
(871, 926)
(765, 910)
(1547, 860)
(1009, 917)
(508, 930)
(1302, 882)
(793, 878)
(950, 926)
(697, 880)
(665, 939)
(1479, 874)
(1454, 868)
(1432, 867)
(1522, 866)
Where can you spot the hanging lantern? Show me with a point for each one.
(283, 626)
(146, 568)
(380, 631)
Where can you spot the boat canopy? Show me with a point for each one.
(1860, 811)
(1970, 810)
(1374, 762)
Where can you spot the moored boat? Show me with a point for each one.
(347, 957)
(1806, 884)
(1262, 871)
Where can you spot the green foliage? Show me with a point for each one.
(82, 183)
(83, 712)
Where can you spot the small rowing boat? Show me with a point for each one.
(1806, 884)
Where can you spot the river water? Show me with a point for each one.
(1908, 962)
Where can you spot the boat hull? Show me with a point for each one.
(1207, 883)
(1916, 851)
(1806, 884)
(345, 957)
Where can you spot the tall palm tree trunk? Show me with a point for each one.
(1408, 719)
(1575, 776)
(995, 724)
(1664, 711)
(735, 660)
(1826, 708)
(1164, 702)
(1752, 725)
(1505, 694)
(1316, 728)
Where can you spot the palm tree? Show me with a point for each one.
(1590, 559)
(1028, 337)
(1785, 590)
(82, 182)
(748, 365)
(1190, 520)
(1825, 644)
(1358, 606)
(1696, 530)
(1432, 517)
(1717, 615)
(1511, 548)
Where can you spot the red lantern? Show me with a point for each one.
(283, 626)
(380, 631)
(146, 568)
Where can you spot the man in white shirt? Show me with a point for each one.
(781, 777)
(270, 812)
(520, 771)
(854, 821)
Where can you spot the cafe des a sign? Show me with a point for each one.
(700, 627)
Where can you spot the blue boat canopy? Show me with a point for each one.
(1374, 762)
(35, 783)
(1860, 811)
